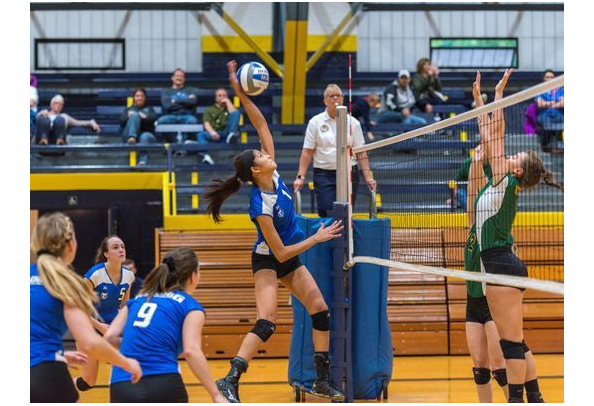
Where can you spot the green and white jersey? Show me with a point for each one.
(495, 210)
(472, 263)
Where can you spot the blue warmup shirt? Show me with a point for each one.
(47, 323)
(553, 95)
(279, 206)
(153, 332)
(110, 295)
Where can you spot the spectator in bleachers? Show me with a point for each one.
(33, 102)
(221, 122)
(138, 122)
(374, 102)
(550, 115)
(52, 124)
(137, 284)
(399, 102)
(426, 86)
(360, 110)
(179, 105)
(460, 186)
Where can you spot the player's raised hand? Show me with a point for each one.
(503, 82)
(476, 87)
(330, 232)
(232, 68)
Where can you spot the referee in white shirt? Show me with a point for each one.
(320, 143)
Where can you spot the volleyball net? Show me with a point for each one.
(424, 183)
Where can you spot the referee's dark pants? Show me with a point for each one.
(325, 188)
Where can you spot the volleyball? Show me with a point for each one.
(253, 78)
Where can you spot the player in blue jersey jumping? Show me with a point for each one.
(60, 300)
(111, 281)
(276, 252)
(161, 323)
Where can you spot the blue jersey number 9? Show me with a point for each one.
(145, 314)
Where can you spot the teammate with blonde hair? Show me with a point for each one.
(60, 301)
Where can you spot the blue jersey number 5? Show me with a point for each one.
(145, 314)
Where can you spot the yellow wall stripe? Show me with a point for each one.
(242, 221)
(234, 43)
(95, 181)
(288, 100)
(300, 73)
(344, 43)
(447, 220)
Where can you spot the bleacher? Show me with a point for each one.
(103, 97)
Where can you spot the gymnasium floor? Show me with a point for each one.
(442, 379)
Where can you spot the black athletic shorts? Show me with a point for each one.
(163, 388)
(477, 310)
(260, 261)
(51, 383)
(502, 261)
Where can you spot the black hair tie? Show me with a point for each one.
(44, 251)
(170, 264)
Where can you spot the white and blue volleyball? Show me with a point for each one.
(253, 78)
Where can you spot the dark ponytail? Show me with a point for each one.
(549, 179)
(170, 275)
(220, 190)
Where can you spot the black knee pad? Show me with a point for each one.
(481, 375)
(512, 349)
(500, 375)
(264, 329)
(82, 385)
(321, 321)
(526, 348)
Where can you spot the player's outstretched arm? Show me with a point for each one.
(96, 346)
(254, 114)
(192, 341)
(113, 335)
(495, 140)
(284, 252)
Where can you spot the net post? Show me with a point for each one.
(340, 334)
(342, 156)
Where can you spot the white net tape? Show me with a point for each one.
(506, 280)
(519, 97)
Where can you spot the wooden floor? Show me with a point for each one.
(414, 379)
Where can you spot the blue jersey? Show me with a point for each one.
(110, 295)
(47, 323)
(279, 206)
(554, 95)
(153, 332)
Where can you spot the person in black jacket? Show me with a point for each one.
(179, 104)
(138, 122)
